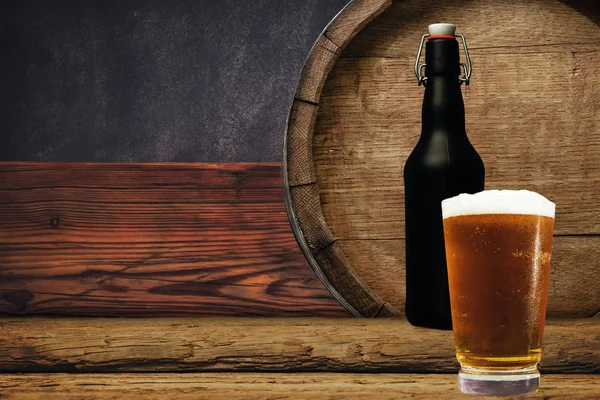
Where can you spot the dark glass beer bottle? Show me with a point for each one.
(443, 164)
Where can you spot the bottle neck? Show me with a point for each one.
(443, 106)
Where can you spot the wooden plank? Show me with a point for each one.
(299, 158)
(316, 68)
(326, 49)
(306, 205)
(380, 264)
(353, 18)
(341, 276)
(533, 130)
(151, 239)
(261, 386)
(261, 345)
(397, 32)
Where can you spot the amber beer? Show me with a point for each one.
(498, 250)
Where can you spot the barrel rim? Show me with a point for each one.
(363, 12)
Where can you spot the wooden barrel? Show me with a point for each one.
(533, 113)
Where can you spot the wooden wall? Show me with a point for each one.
(151, 240)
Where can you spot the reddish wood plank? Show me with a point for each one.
(151, 239)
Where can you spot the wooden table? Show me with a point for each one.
(308, 385)
(184, 358)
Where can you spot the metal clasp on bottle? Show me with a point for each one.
(466, 68)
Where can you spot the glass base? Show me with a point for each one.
(498, 383)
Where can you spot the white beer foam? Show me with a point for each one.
(498, 202)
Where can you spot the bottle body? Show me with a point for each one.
(443, 164)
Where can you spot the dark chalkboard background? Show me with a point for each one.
(177, 80)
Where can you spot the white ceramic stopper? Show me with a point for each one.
(442, 29)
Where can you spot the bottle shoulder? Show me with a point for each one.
(442, 151)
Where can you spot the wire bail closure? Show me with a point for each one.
(466, 68)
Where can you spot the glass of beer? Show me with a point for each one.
(498, 249)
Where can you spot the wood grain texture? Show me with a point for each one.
(298, 144)
(513, 26)
(261, 386)
(302, 193)
(534, 131)
(302, 198)
(209, 344)
(340, 274)
(305, 200)
(570, 295)
(353, 18)
(151, 239)
(328, 46)
(314, 73)
(532, 113)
